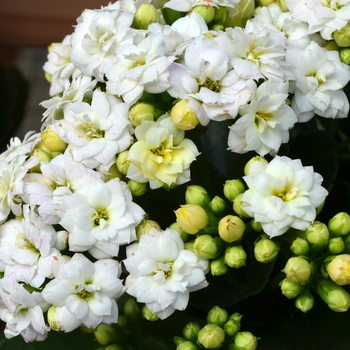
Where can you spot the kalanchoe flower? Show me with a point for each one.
(284, 195)
(162, 272)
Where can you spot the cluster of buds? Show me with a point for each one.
(221, 331)
(321, 260)
(342, 40)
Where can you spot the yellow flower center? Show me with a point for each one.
(94, 132)
(211, 85)
(84, 294)
(288, 195)
(100, 214)
(22, 242)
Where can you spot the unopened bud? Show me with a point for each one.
(191, 330)
(304, 301)
(218, 205)
(137, 189)
(183, 116)
(140, 112)
(344, 55)
(221, 14)
(113, 173)
(231, 228)
(290, 289)
(191, 218)
(197, 195)
(339, 225)
(339, 269)
(61, 240)
(52, 141)
(233, 188)
(231, 327)
(299, 269)
(122, 162)
(105, 334)
(218, 316)
(145, 226)
(218, 267)
(244, 341)
(336, 245)
(207, 12)
(235, 257)
(187, 345)
(342, 36)
(300, 246)
(148, 315)
(265, 250)
(337, 298)
(131, 309)
(317, 235)
(145, 15)
(175, 226)
(255, 165)
(256, 226)
(207, 247)
(211, 336)
(237, 207)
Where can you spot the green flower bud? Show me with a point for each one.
(235, 257)
(339, 225)
(137, 189)
(304, 301)
(113, 173)
(179, 340)
(217, 316)
(187, 345)
(175, 226)
(336, 245)
(300, 246)
(183, 116)
(148, 315)
(342, 36)
(338, 268)
(337, 298)
(197, 195)
(207, 12)
(207, 247)
(265, 250)
(140, 112)
(189, 246)
(218, 27)
(42, 156)
(317, 235)
(221, 14)
(131, 309)
(299, 269)
(290, 289)
(218, 205)
(256, 226)
(244, 341)
(211, 336)
(231, 228)
(236, 317)
(52, 141)
(331, 45)
(123, 321)
(256, 164)
(233, 188)
(237, 207)
(344, 55)
(105, 334)
(145, 15)
(231, 327)
(191, 218)
(145, 226)
(170, 15)
(218, 267)
(191, 330)
(122, 162)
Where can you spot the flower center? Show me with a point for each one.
(163, 273)
(84, 294)
(332, 4)
(288, 195)
(262, 117)
(211, 85)
(163, 152)
(94, 132)
(22, 242)
(100, 214)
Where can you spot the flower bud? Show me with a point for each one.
(342, 36)
(218, 316)
(236, 317)
(304, 301)
(175, 226)
(61, 320)
(179, 340)
(266, 2)
(105, 334)
(244, 341)
(183, 116)
(299, 269)
(337, 298)
(254, 165)
(42, 156)
(344, 55)
(290, 289)
(61, 240)
(218, 267)
(122, 162)
(131, 309)
(336, 245)
(317, 236)
(207, 12)
(237, 207)
(231, 228)
(191, 330)
(231, 327)
(137, 189)
(197, 195)
(235, 256)
(339, 225)
(300, 246)
(339, 269)
(113, 173)
(187, 345)
(217, 205)
(148, 315)
(191, 218)
(256, 226)
(170, 15)
(211, 336)
(265, 250)
(221, 14)
(145, 15)
(145, 226)
(52, 141)
(233, 188)
(143, 111)
(207, 247)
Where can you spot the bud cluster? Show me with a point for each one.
(221, 331)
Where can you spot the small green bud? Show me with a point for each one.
(317, 236)
(113, 173)
(244, 341)
(122, 162)
(211, 336)
(183, 116)
(187, 345)
(221, 14)
(191, 330)
(145, 226)
(299, 269)
(339, 225)
(344, 55)
(233, 188)
(231, 327)
(218, 205)
(342, 36)
(336, 297)
(197, 195)
(148, 315)
(218, 267)
(179, 340)
(145, 15)
(105, 334)
(256, 226)
(207, 247)
(231, 228)
(175, 226)
(336, 245)
(191, 218)
(255, 164)
(290, 289)
(236, 317)
(237, 207)
(304, 301)
(217, 316)
(131, 309)
(300, 246)
(265, 250)
(235, 257)
(207, 12)
(137, 189)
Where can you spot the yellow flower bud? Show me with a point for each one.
(231, 228)
(339, 269)
(145, 15)
(183, 116)
(113, 173)
(191, 218)
(344, 55)
(342, 36)
(52, 141)
(122, 162)
(211, 336)
(299, 269)
(143, 111)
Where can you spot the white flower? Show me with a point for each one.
(320, 78)
(188, 5)
(87, 290)
(264, 122)
(161, 154)
(162, 272)
(285, 195)
(100, 219)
